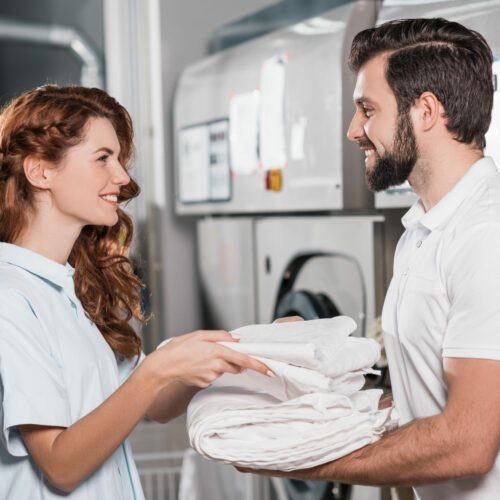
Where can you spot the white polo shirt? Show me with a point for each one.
(55, 368)
(444, 301)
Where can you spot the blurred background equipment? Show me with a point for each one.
(260, 137)
(260, 128)
(253, 201)
(50, 41)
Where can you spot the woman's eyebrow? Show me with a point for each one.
(106, 150)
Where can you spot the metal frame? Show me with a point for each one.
(134, 78)
(160, 474)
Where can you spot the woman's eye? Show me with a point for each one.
(103, 158)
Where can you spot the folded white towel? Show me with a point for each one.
(311, 344)
(294, 381)
(310, 413)
(306, 356)
(256, 430)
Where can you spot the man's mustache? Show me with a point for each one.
(365, 143)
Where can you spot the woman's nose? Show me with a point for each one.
(121, 177)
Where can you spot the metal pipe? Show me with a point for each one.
(60, 36)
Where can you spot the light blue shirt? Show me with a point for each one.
(55, 368)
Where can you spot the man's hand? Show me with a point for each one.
(302, 474)
(385, 402)
(288, 319)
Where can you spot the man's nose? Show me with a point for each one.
(356, 130)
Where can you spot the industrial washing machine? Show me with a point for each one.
(287, 225)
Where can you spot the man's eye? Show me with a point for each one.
(367, 112)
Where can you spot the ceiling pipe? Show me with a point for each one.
(59, 36)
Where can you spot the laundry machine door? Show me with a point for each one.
(329, 262)
(322, 285)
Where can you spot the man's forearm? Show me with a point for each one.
(422, 452)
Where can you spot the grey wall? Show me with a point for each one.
(187, 27)
(24, 66)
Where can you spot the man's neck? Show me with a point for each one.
(435, 175)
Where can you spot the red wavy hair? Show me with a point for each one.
(45, 123)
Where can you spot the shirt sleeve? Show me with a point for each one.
(32, 388)
(127, 366)
(473, 284)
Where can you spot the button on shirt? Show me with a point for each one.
(55, 368)
(444, 301)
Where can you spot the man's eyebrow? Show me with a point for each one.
(363, 100)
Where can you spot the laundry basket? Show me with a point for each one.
(160, 474)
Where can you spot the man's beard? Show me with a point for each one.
(393, 167)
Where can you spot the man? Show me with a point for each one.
(423, 99)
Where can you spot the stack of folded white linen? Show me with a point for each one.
(312, 412)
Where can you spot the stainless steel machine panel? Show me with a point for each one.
(226, 264)
(287, 97)
(482, 16)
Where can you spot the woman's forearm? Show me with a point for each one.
(68, 456)
(160, 387)
(171, 402)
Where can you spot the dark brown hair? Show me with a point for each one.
(45, 123)
(439, 56)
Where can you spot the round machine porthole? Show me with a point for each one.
(306, 304)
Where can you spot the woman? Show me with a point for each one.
(73, 381)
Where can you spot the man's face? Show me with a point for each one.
(386, 137)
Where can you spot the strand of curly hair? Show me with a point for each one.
(46, 122)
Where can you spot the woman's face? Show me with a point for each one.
(85, 185)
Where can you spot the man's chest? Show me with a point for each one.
(417, 304)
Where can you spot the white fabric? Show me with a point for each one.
(294, 420)
(255, 430)
(293, 381)
(444, 301)
(306, 356)
(55, 367)
(311, 344)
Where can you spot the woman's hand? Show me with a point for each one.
(196, 359)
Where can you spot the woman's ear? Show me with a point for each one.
(35, 171)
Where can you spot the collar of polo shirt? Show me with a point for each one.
(441, 213)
